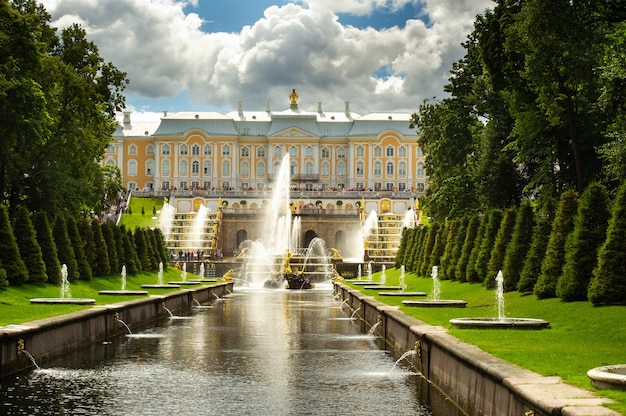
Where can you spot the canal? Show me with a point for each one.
(256, 352)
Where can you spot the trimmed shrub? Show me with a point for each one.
(65, 250)
(48, 247)
(552, 265)
(101, 265)
(503, 237)
(486, 245)
(30, 250)
(429, 243)
(608, 284)
(457, 247)
(446, 257)
(517, 250)
(12, 263)
(537, 251)
(84, 268)
(468, 244)
(109, 240)
(470, 271)
(582, 245)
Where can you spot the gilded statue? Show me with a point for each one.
(293, 97)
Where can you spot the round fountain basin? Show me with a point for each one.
(64, 301)
(382, 287)
(160, 286)
(403, 294)
(444, 303)
(503, 323)
(186, 283)
(123, 292)
(363, 282)
(608, 377)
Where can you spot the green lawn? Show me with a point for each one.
(146, 220)
(15, 306)
(580, 336)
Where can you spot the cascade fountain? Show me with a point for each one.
(501, 321)
(65, 295)
(166, 218)
(435, 301)
(123, 291)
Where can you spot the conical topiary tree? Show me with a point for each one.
(397, 261)
(537, 251)
(457, 247)
(517, 250)
(109, 239)
(418, 251)
(440, 245)
(30, 250)
(48, 247)
(12, 263)
(608, 284)
(446, 257)
(582, 245)
(468, 244)
(499, 246)
(65, 250)
(3, 277)
(89, 247)
(552, 265)
(486, 245)
(130, 253)
(118, 239)
(160, 246)
(101, 266)
(428, 249)
(470, 271)
(84, 268)
(143, 250)
(410, 241)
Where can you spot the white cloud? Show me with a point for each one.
(166, 53)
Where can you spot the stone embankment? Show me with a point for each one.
(50, 338)
(476, 381)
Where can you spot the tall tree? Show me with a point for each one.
(29, 247)
(12, 262)
(48, 247)
(64, 248)
(517, 250)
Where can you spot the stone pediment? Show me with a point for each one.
(293, 132)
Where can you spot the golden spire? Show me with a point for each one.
(294, 98)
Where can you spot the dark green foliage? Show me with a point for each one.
(410, 244)
(130, 252)
(143, 250)
(457, 248)
(109, 239)
(486, 245)
(89, 246)
(499, 247)
(582, 245)
(152, 249)
(65, 250)
(446, 257)
(439, 247)
(30, 250)
(3, 276)
(143, 210)
(101, 266)
(418, 236)
(421, 250)
(552, 265)
(129, 211)
(118, 239)
(518, 248)
(466, 250)
(10, 259)
(84, 269)
(160, 246)
(48, 247)
(470, 271)
(406, 234)
(428, 249)
(537, 251)
(608, 284)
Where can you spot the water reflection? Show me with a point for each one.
(261, 352)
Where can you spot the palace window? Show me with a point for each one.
(360, 168)
(165, 150)
(325, 169)
(402, 151)
(150, 167)
(245, 151)
(260, 152)
(360, 151)
(341, 153)
(260, 169)
(402, 169)
(195, 150)
(245, 169)
(325, 153)
(390, 168)
(208, 150)
(195, 167)
(165, 185)
(419, 171)
(226, 150)
(378, 168)
(206, 167)
(293, 168)
(277, 151)
(389, 151)
(150, 149)
(226, 167)
(110, 149)
(184, 150)
(420, 187)
(195, 185)
(165, 167)
(378, 151)
(293, 151)
(341, 169)
(418, 152)
(132, 167)
(183, 169)
(183, 185)
(308, 152)
(308, 168)
(132, 149)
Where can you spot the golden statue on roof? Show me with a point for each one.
(293, 97)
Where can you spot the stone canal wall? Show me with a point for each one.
(49, 338)
(476, 381)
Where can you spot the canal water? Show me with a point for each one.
(256, 352)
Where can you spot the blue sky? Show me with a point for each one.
(207, 55)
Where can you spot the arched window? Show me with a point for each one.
(132, 167)
(165, 167)
(226, 150)
(293, 151)
(132, 149)
(277, 151)
(260, 152)
(389, 151)
(184, 150)
(225, 167)
(341, 153)
(378, 151)
(325, 169)
(419, 170)
(390, 168)
(402, 169)
(308, 152)
(418, 152)
(402, 151)
(308, 168)
(378, 168)
(150, 167)
(206, 167)
(360, 168)
(183, 169)
(195, 150)
(245, 151)
(245, 169)
(260, 169)
(360, 151)
(208, 150)
(195, 167)
(293, 168)
(150, 149)
(341, 169)
(165, 150)
(325, 152)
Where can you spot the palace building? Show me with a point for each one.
(242, 151)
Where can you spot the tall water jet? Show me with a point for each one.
(123, 275)
(409, 219)
(160, 274)
(201, 270)
(401, 278)
(295, 234)
(500, 294)
(66, 295)
(166, 219)
(436, 284)
(277, 213)
(195, 239)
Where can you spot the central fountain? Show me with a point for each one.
(501, 321)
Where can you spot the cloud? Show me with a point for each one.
(166, 53)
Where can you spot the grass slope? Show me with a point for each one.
(145, 220)
(580, 336)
